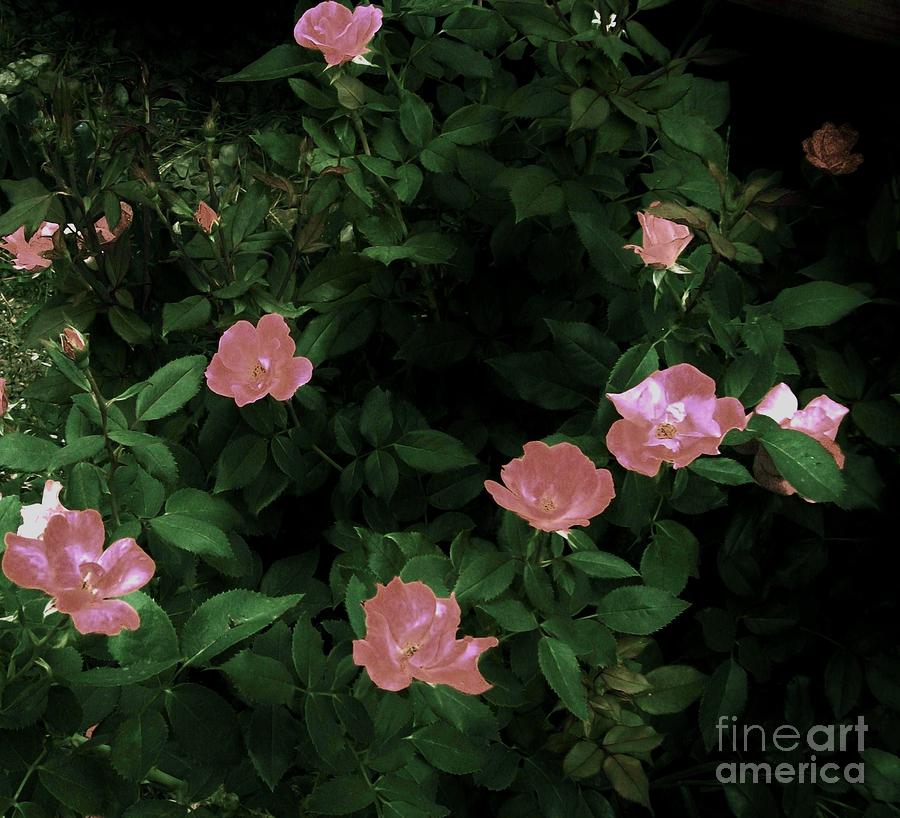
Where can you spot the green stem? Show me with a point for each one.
(361, 133)
(324, 455)
(28, 773)
(110, 448)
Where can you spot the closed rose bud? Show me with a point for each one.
(73, 344)
(829, 149)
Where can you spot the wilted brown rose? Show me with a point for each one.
(829, 149)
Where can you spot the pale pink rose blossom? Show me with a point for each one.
(253, 362)
(69, 564)
(35, 516)
(553, 487)
(663, 240)
(411, 634)
(4, 400)
(206, 217)
(341, 35)
(820, 420)
(30, 254)
(671, 416)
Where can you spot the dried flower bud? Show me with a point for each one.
(4, 400)
(829, 149)
(73, 343)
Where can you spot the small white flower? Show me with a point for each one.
(598, 19)
(612, 22)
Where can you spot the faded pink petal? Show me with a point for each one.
(107, 616)
(36, 515)
(672, 416)
(105, 234)
(779, 403)
(126, 568)
(553, 487)
(255, 361)
(341, 35)
(411, 634)
(206, 217)
(663, 240)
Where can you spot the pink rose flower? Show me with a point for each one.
(341, 35)
(663, 242)
(206, 217)
(411, 634)
(4, 400)
(70, 565)
(674, 416)
(553, 487)
(820, 420)
(35, 516)
(28, 254)
(253, 362)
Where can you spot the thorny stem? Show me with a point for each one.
(110, 448)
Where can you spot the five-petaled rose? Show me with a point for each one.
(67, 562)
(671, 416)
(663, 240)
(553, 487)
(341, 35)
(253, 362)
(829, 149)
(411, 634)
(30, 254)
(820, 420)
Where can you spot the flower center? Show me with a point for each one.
(409, 651)
(547, 504)
(257, 371)
(91, 573)
(666, 431)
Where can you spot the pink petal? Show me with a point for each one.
(458, 666)
(643, 403)
(779, 403)
(239, 347)
(626, 441)
(127, 566)
(821, 418)
(25, 563)
(71, 539)
(107, 616)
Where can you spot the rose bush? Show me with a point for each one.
(287, 370)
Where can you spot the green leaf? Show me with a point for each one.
(539, 378)
(674, 688)
(586, 351)
(601, 564)
(584, 760)
(471, 124)
(639, 609)
(353, 601)
(229, 618)
(843, 682)
(169, 388)
(26, 453)
(804, 463)
(272, 738)
(722, 470)
(81, 450)
(534, 191)
(882, 774)
(725, 696)
(816, 304)
(432, 451)
(511, 615)
(448, 749)
(137, 744)
(260, 679)
(204, 724)
(283, 148)
(282, 61)
(641, 738)
(485, 577)
(189, 313)
(76, 781)
(341, 795)
(10, 515)
(416, 120)
(692, 133)
(190, 534)
(376, 420)
(671, 557)
(307, 653)
(562, 672)
(587, 109)
(129, 326)
(154, 641)
(240, 463)
(628, 778)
